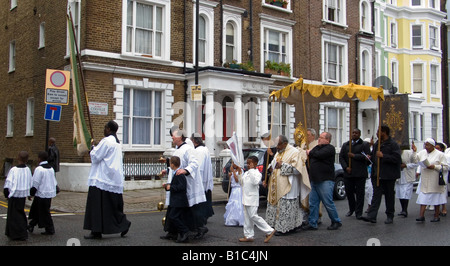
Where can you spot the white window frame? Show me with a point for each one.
(74, 6)
(167, 100)
(393, 36)
(41, 35)
(394, 73)
(420, 5)
(365, 21)
(287, 9)
(282, 26)
(233, 16)
(436, 45)
(366, 67)
(12, 56)
(10, 121)
(421, 46)
(434, 125)
(30, 117)
(436, 80)
(340, 12)
(343, 110)
(281, 112)
(206, 11)
(165, 30)
(422, 79)
(341, 40)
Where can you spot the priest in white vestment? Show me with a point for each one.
(288, 184)
(205, 171)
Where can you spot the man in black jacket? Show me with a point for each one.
(390, 159)
(321, 175)
(355, 164)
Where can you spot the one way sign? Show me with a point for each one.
(53, 112)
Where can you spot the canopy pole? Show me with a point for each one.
(379, 142)
(270, 135)
(350, 137)
(306, 125)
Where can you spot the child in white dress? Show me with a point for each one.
(234, 210)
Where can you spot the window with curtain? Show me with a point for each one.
(230, 43)
(334, 10)
(417, 36)
(434, 125)
(144, 29)
(142, 117)
(434, 38)
(275, 46)
(280, 119)
(333, 62)
(202, 40)
(417, 78)
(334, 121)
(433, 79)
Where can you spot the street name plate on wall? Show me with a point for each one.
(98, 108)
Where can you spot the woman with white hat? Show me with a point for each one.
(432, 162)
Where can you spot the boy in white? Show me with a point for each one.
(43, 190)
(250, 199)
(17, 189)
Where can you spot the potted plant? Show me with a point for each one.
(285, 69)
(234, 64)
(271, 67)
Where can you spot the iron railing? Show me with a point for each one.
(149, 168)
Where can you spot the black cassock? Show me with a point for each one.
(16, 221)
(104, 212)
(40, 214)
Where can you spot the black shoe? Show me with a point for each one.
(201, 232)
(368, 219)
(403, 213)
(30, 228)
(182, 238)
(436, 219)
(389, 220)
(93, 236)
(169, 236)
(350, 213)
(126, 231)
(334, 226)
(309, 227)
(421, 219)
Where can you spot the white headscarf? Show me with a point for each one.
(431, 141)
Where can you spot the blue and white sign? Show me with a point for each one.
(53, 112)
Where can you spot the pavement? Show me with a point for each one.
(134, 200)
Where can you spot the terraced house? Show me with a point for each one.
(408, 51)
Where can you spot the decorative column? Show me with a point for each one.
(264, 116)
(238, 115)
(209, 126)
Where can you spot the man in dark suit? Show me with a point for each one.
(390, 157)
(355, 164)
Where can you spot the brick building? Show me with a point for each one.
(138, 59)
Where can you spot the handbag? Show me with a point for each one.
(441, 179)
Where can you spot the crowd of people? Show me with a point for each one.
(299, 180)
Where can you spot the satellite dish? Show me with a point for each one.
(383, 81)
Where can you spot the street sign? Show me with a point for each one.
(53, 112)
(57, 84)
(196, 93)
